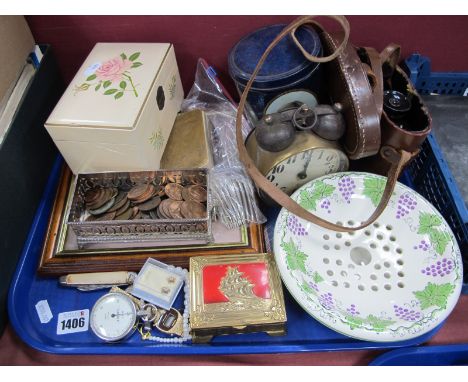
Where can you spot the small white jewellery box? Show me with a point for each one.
(118, 111)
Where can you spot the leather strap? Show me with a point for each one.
(398, 159)
(376, 68)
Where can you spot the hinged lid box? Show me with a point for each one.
(235, 294)
(118, 111)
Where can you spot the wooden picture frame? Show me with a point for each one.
(56, 260)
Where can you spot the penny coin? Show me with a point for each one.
(120, 200)
(193, 210)
(102, 199)
(137, 191)
(106, 216)
(124, 208)
(125, 215)
(174, 191)
(174, 209)
(92, 195)
(163, 209)
(197, 193)
(104, 208)
(185, 193)
(150, 204)
(148, 194)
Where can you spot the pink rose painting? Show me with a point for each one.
(113, 70)
(113, 76)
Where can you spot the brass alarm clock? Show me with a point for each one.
(289, 147)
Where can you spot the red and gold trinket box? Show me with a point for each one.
(235, 294)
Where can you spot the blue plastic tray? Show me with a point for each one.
(429, 173)
(441, 355)
(304, 334)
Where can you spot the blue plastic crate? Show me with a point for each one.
(429, 173)
(419, 71)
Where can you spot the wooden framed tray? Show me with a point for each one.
(61, 254)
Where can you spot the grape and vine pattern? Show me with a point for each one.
(308, 198)
(346, 186)
(407, 314)
(406, 204)
(439, 269)
(326, 300)
(296, 227)
(429, 225)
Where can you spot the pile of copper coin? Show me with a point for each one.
(169, 196)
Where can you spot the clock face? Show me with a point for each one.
(113, 317)
(300, 168)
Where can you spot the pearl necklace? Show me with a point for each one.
(186, 330)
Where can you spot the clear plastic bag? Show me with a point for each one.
(233, 192)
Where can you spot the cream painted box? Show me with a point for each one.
(118, 112)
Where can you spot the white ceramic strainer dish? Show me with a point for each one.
(394, 280)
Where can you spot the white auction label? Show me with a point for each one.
(43, 311)
(73, 322)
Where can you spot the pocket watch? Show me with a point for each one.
(293, 153)
(113, 317)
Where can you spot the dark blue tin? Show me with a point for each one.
(285, 68)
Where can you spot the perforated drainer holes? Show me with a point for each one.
(401, 285)
(386, 248)
(344, 273)
(374, 288)
(387, 275)
(360, 256)
(346, 284)
(401, 274)
(350, 222)
(350, 266)
(399, 251)
(373, 245)
(388, 227)
(379, 236)
(326, 237)
(334, 283)
(377, 266)
(399, 262)
(357, 276)
(376, 225)
(387, 264)
(339, 223)
(339, 262)
(337, 247)
(330, 272)
(326, 260)
(387, 286)
(392, 238)
(347, 243)
(367, 232)
(361, 287)
(326, 247)
(373, 276)
(339, 235)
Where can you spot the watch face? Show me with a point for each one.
(113, 317)
(298, 169)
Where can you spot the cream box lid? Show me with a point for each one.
(111, 86)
